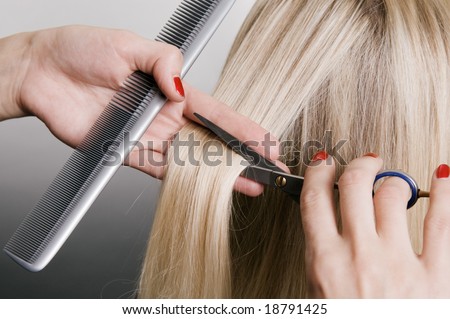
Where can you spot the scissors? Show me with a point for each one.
(266, 172)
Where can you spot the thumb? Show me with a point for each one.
(164, 63)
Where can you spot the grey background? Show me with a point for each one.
(102, 257)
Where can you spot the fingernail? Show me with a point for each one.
(371, 155)
(179, 85)
(443, 171)
(320, 156)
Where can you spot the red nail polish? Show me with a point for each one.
(179, 85)
(320, 156)
(371, 155)
(443, 171)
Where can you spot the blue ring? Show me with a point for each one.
(411, 182)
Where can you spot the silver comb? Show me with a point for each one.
(102, 151)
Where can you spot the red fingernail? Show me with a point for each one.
(443, 171)
(179, 85)
(371, 155)
(320, 156)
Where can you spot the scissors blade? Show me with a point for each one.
(260, 175)
(239, 147)
(261, 170)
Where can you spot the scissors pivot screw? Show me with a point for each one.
(280, 182)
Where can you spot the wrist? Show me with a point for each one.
(14, 60)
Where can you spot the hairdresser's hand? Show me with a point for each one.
(66, 76)
(372, 256)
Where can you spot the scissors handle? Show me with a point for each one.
(292, 184)
(416, 193)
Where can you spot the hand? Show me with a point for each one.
(372, 257)
(66, 76)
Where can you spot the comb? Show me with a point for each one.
(102, 151)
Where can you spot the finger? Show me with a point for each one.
(390, 202)
(150, 162)
(161, 60)
(251, 188)
(166, 72)
(355, 196)
(437, 221)
(248, 187)
(317, 202)
(234, 123)
(165, 126)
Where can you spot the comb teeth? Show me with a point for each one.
(97, 148)
(84, 175)
(136, 94)
(52, 210)
(185, 24)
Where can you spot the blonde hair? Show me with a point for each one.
(375, 72)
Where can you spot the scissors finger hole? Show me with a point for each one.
(413, 189)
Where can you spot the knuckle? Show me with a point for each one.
(324, 270)
(215, 115)
(438, 222)
(442, 193)
(311, 197)
(171, 52)
(364, 265)
(176, 53)
(123, 42)
(126, 33)
(319, 265)
(368, 274)
(352, 177)
(391, 192)
(124, 36)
